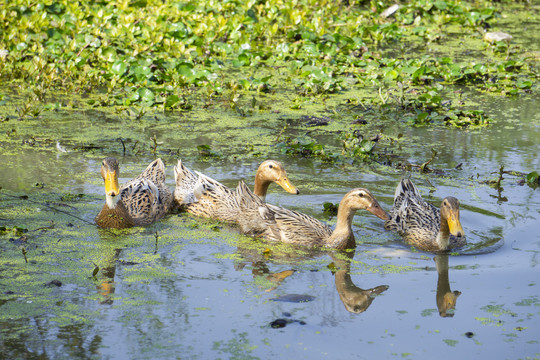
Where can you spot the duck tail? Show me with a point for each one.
(154, 172)
(185, 181)
(405, 186)
(182, 174)
(199, 189)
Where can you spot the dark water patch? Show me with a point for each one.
(294, 298)
(281, 323)
(54, 283)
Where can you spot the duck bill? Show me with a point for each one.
(455, 226)
(377, 210)
(111, 183)
(287, 186)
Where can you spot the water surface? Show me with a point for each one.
(191, 288)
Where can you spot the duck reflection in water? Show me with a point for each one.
(270, 280)
(355, 299)
(446, 298)
(106, 275)
(259, 256)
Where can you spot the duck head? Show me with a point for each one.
(272, 171)
(109, 173)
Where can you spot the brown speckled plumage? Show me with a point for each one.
(116, 218)
(279, 224)
(143, 200)
(420, 223)
(203, 196)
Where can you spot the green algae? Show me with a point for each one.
(451, 342)
(532, 301)
(62, 252)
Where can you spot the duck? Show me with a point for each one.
(139, 202)
(423, 225)
(203, 196)
(275, 223)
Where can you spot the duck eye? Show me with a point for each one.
(271, 166)
(361, 194)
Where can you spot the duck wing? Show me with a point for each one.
(298, 228)
(143, 201)
(411, 216)
(147, 198)
(210, 198)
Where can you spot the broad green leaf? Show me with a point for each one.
(146, 95)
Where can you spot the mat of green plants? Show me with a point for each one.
(345, 94)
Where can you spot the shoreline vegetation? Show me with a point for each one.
(164, 55)
(347, 68)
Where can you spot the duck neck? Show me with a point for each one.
(344, 282)
(261, 186)
(342, 237)
(111, 201)
(443, 237)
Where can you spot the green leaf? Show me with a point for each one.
(119, 68)
(524, 84)
(244, 83)
(186, 70)
(140, 72)
(146, 95)
(481, 68)
(171, 101)
(252, 15)
(109, 54)
(55, 8)
(422, 116)
(206, 151)
(533, 178)
(391, 75)
(441, 5)
(330, 209)
(418, 73)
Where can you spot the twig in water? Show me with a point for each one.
(24, 254)
(156, 235)
(24, 197)
(123, 146)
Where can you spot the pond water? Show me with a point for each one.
(192, 288)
